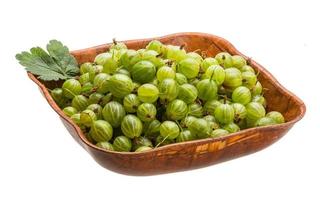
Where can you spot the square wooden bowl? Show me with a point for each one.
(193, 154)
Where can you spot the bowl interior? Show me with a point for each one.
(277, 97)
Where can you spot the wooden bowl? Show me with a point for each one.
(193, 154)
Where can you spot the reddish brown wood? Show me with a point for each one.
(193, 154)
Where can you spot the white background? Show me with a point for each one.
(39, 159)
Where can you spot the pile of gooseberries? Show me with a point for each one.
(136, 100)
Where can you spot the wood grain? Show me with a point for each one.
(193, 154)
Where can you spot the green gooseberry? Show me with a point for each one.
(185, 135)
(71, 88)
(188, 93)
(143, 72)
(165, 72)
(84, 78)
(97, 109)
(148, 93)
(87, 88)
(58, 97)
(156, 45)
(207, 62)
(195, 56)
(123, 71)
(238, 61)
(177, 109)
(131, 126)
(109, 62)
(210, 106)
(147, 112)
(181, 79)
(265, 121)
(240, 111)
(105, 145)
(212, 122)
(143, 148)
(241, 95)
(207, 89)
(189, 67)
(257, 89)
(101, 131)
(224, 59)
(76, 119)
(276, 116)
(224, 113)
(151, 129)
(169, 129)
(259, 99)
(122, 144)
(89, 137)
(175, 53)
(217, 72)
(185, 122)
(125, 59)
(255, 111)
(86, 67)
(249, 79)
(147, 55)
(95, 98)
(131, 103)
(195, 110)
(155, 58)
(87, 117)
(113, 112)
(200, 127)
(117, 45)
(219, 133)
(90, 69)
(233, 78)
(231, 127)
(120, 85)
(214, 125)
(69, 111)
(247, 68)
(80, 102)
(168, 90)
(209, 118)
(141, 141)
(98, 69)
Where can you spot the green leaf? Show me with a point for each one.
(61, 54)
(55, 65)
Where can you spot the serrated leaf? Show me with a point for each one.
(62, 56)
(45, 74)
(55, 65)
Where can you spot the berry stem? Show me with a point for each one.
(114, 41)
(164, 139)
(178, 125)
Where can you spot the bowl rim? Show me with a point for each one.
(83, 139)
